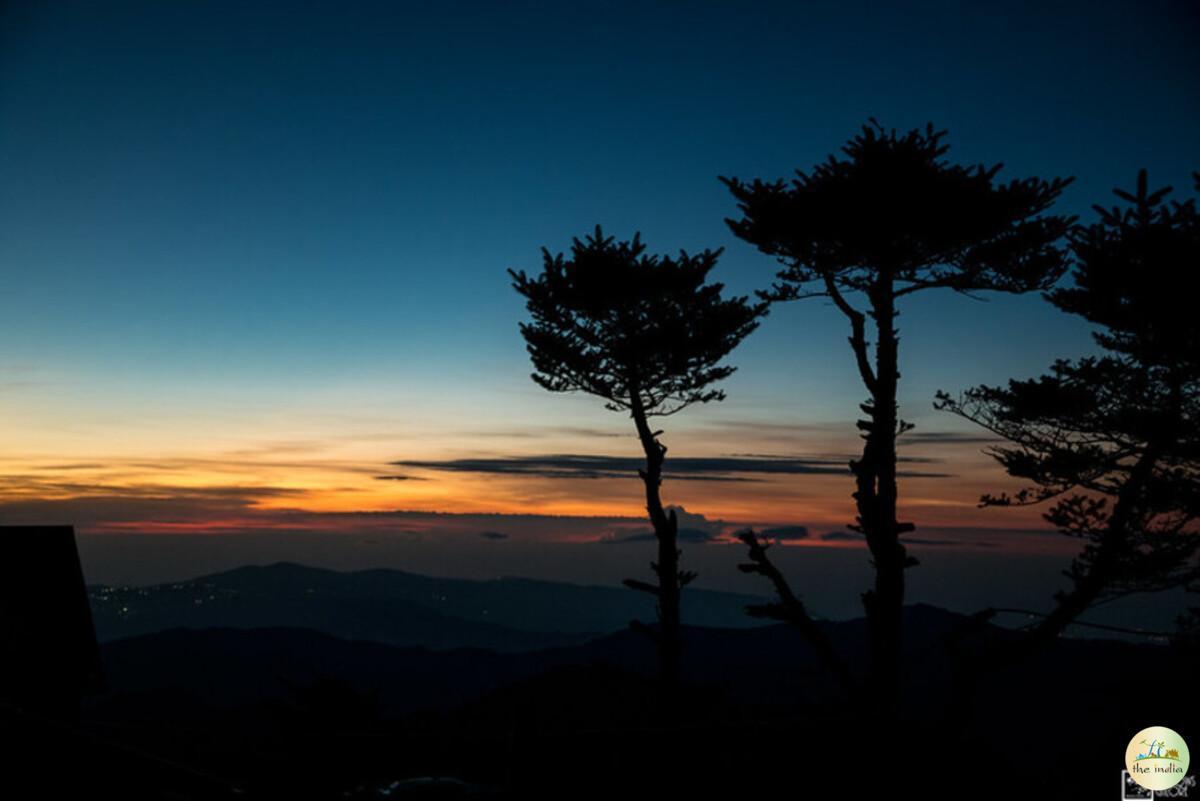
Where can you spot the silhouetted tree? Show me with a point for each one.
(647, 335)
(889, 219)
(790, 609)
(1112, 440)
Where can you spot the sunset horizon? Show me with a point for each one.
(547, 399)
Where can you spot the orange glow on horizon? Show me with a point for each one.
(284, 476)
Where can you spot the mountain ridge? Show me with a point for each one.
(396, 607)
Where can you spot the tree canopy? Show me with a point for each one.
(629, 327)
(1113, 439)
(893, 206)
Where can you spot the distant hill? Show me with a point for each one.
(223, 667)
(397, 608)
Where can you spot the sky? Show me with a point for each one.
(253, 259)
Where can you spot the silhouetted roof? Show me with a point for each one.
(48, 650)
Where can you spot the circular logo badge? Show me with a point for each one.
(1157, 758)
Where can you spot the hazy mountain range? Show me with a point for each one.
(205, 672)
(292, 711)
(396, 608)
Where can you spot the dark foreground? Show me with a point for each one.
(290, 713)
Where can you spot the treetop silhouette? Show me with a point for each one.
(894, 211)
(1113, 439)
(647, 335)
(642, 332)
(1130, 265)
(888, 218)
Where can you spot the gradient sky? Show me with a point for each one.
(253, 254)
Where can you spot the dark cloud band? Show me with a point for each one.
(583, 466)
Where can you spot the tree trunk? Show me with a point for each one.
(666, 568)
(876, 499)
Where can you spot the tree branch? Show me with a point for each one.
(858, 338)
(791, 610)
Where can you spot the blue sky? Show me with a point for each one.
(232, 227)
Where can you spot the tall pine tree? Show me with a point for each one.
(888, 218)
(648, 336)
(1112, 442)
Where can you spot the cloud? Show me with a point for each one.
(775, 429)
(694, 529)
(945, 438)
(841, 536)
(588, 466)
(686, 536)
(99, 508)
(546, 432)
(73, 466)
(152, 506)
(837, 458)
(948, 543)
(41, 490)
(933, 542)
(785, 533)
(695, 520)
(231, 464)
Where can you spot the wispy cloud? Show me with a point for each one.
(547, 432)
(785, 533)
(773, 429)
(935, 542)
(686, 536)
(841, 536)
(587, 466)
(944, 438)
(145, 507)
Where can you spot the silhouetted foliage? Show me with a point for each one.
(890, 218)
(1112, 440)
(648, 335)
(790, 609)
